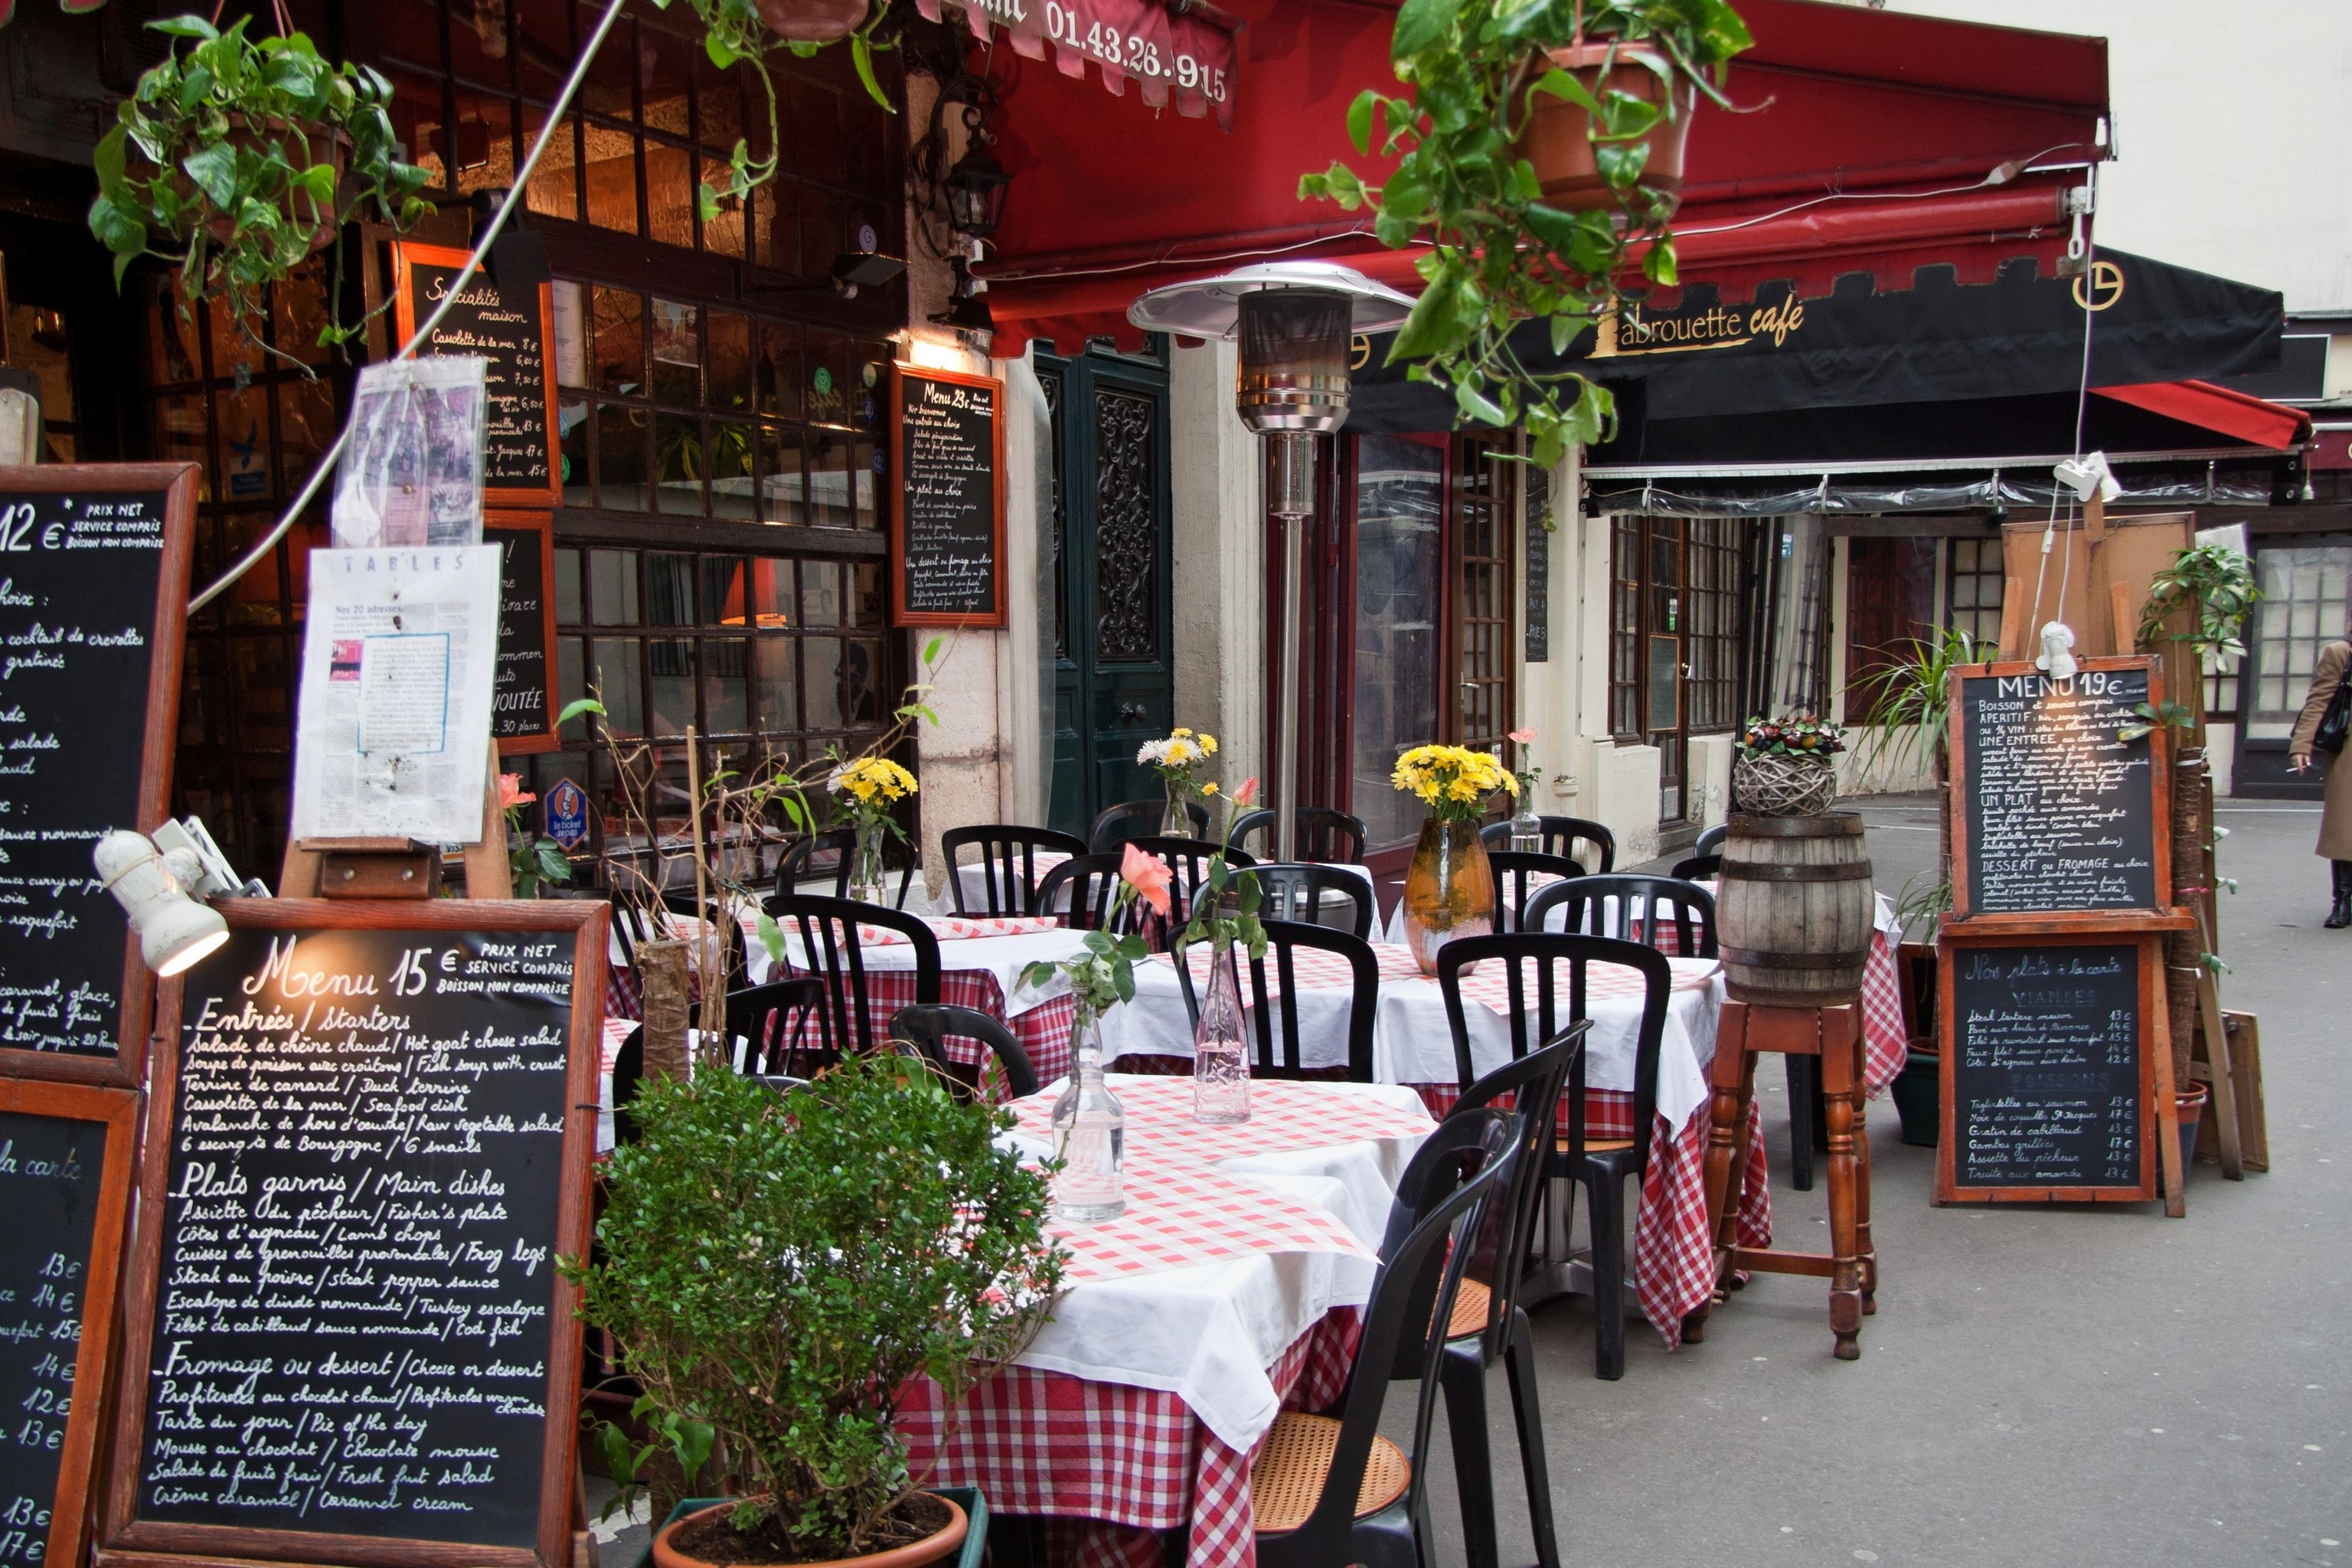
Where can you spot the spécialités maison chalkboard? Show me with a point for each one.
(519, 464)
(947, 499)
(93, 597)
(2053, 810)
(347, 1340)
(66, 1155)
(522, 698)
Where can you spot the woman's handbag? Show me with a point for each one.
(2335, 724)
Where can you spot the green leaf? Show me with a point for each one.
(706, 202)
(861, 53)
(107, 158)
(1433, 325)
(1560, 84)
(1658, 266)
(1474, 405)
(931, 649)
(576, 707)
(1620, 165)
(720, 53)
(184, 27)
(1419, 24)
(1361, 114)
(213, 169)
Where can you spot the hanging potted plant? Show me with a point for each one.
(236, 160)
(1623, 99)
(1449, 888)
(777, 1268)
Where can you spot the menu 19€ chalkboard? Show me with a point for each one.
(368, 1149)
(519, 436)
(947, 510)
(93, 595)
(2047, 1084)
(66, 1153)
(522, 715)
(2054, 811)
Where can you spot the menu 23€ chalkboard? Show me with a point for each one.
(93, 598)
(520, 463)
(947, 499)
(347, 1340)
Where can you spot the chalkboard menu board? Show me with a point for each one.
(2054, 810)
(369, 1146)
(93, 595)
(522, 698)
(947, 510)
(66, 1153)
(519, 460)
(2048, 1084)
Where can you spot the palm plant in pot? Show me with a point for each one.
(776, 1269)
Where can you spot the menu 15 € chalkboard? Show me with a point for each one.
(66, 1153)
(947, 510)
(368, 1147)
(2047, 1086)
(522, 712)
(93, 595)
(520, 465)
(2054, 811)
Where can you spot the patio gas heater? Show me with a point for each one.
(1294, 319)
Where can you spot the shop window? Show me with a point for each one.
(1715, 606)
(1974, 582)
(2302, 610)
(1678, 637)
(34, 340)
(1890, 604)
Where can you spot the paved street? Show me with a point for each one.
(2039, 1385)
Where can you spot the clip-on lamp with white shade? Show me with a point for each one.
(175, 931)
(2086, 476)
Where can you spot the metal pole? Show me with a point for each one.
(1292, 499)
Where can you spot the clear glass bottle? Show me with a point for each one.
(1221, 1058)
(1527, 828)
(866, 871)
(1089, 1136)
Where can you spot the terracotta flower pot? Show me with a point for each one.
(1556, 140)
(1449, 890)
(936, 1547)
(326, 146)
(812, 21)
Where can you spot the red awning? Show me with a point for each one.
(1898, 118)
(2211, 407)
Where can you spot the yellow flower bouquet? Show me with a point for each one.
(1455, 782)
(864, 791)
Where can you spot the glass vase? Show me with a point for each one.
(1176, 822)
(866, 872)
(1221, 1063)
(1527, 831)
(1449, 890)
(1089, 1135)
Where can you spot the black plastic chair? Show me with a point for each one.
(1294, 891)
(1079, 894)
(832, 952)
(800, 863)
(767, 1037)
(1633, 907)
(1008, 864)
(629, 930)
(1698, 868)
(1710, 840)
(1283, 938)
(1601, 1166)
(1333, 837)
(1561, 836)
(1519, 876)
(1419, 1279)
(929, 1029)
(1138, 819)
(1189, 858)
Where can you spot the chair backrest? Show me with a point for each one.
(1009, 872)
(1571, 838)
(1542, 955)
(630, 929)
(1710, 840)
(929, 1029)
(1137, 819)
(1519, 877)
(1293, 890)
(1091, 882)
(1698, 868)
(1635, 908)
(1189, 858)
(1274, 1011)
(767, 1035)
(801, 862)
(1405, 1325)
(1333, 838)
(832, 952)
(1532, 1084)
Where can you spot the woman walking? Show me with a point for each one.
(2336, 815)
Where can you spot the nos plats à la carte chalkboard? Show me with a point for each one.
(947, 499)
(522, 696)
(369, 1141)
(94, 562)
(520, 461)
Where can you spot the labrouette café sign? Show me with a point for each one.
(1175, 54)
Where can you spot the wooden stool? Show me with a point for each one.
(1850, 1266)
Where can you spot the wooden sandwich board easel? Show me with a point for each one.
(400, 867)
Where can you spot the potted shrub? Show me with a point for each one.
(776, 1268)
(238, 160)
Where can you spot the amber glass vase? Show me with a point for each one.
(1449, 890)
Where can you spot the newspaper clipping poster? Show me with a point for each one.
(413, 473)
(397, 664)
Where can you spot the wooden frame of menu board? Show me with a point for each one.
(408, 256)
(131, 1540)
(902, 569)
(541, 525)
(118, 1111)
(1965, 793)
(2047, 941)
(166, 635)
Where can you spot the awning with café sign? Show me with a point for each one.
(1178, 51)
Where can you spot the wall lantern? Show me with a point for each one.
(1294, 320)
(975, 189)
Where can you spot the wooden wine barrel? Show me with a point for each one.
(1794, 909)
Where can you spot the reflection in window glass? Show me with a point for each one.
(778, 371)
(730, 470)
(621, 459)
(679, 446)
(675, 339)
(866, 471)
(613, 587)
(725, 707)
(620, 342)
(567, 587)
(669, 683)
(571, 451)
(244, 419)
(568, 316)
(822, 688)
(781, 488)
(616, 678)
(820, 593)
(669, 589)
(828, 479)
(669, 192)
(722, 591)
(570, 685)
(771, 593)
(1398, 574)
(861, 684)
(730, 365)
(2302, 610)
(867, 607)
(612, 170)
(772, 684)
(554, 184)
(306, 427)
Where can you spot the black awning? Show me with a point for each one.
(1938, 340)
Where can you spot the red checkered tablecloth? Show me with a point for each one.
(1180, 1216)
(1284, 1116)
(1115, 1464)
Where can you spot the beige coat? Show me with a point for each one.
(2335, 817)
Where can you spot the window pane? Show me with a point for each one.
(670, 184)
(722, 233)
(729, 360)
(1399, 490)
(771, 593)
(620, 329)
(829, 482)
(669, 683)
(613, 587)
(866, 473)
(571, 684)
(725, 708)
(822, 657)
(567, 588)
(722, 591)
(618, 685)
(826, 360)
(820, 593)
(772, 683)
(297, 311)
(678, 440)
(861, 683)
(782, 489)
(621, 459)
(568, 312)
(612, 178)
(306, 426)
(867, 607)
(244, 419)
(778, 371)
(669, 589)
(555, 184)
(571, 451)
(180, 436)
(676, 340)
(730, 470)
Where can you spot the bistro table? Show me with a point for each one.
(1227, 1292)
(971, 877)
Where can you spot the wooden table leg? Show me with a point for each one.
(1868, 1250)
(1841, 1091)
(1732, 1075)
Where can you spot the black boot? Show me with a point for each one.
(2341, 915)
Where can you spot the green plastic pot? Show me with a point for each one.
(1919, 1098)
(975, 1540)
